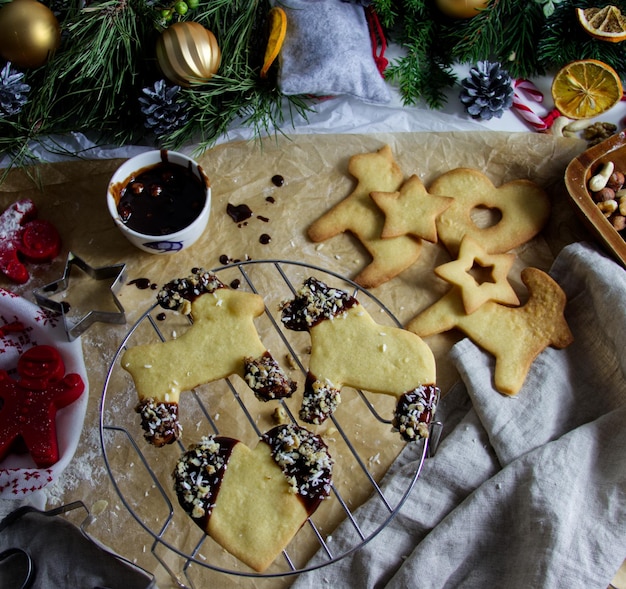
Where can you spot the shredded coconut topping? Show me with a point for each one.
(314, 302)
(198, 474)
(415, 411)
(177, 293)
(265, 377)
(304, 459)
(302, 456)
(159, 421)
(319, 401)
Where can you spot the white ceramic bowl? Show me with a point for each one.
(157, 242)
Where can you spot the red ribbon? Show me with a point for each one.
(377, 37)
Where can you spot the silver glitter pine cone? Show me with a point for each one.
(13, 91)
(487, 92)
(163, 113)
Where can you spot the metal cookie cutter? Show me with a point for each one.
(19, 568)
(116, 272)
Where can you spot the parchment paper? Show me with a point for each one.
(314, 168)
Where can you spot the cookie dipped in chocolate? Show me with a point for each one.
(253, 501)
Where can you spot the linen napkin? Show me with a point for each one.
(61, 555)
(524, 491)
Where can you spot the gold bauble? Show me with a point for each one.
(188, 54)
(461, 8)
(29, 33)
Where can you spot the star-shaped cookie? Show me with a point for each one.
(358, 214)
(515, 336)
(481, 276)
(411, 211)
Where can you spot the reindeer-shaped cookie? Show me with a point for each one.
(359, 215)
(348, 348)
(222, 341)
(514, 335)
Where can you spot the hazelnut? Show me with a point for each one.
(603, 195)
(616, 180)
(137, 187)
(619, 222)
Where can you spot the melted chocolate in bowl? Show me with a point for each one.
(161, 199)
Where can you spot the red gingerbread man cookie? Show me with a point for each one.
(22, 235)
(28, 405)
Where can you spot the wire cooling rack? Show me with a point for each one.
(359, 435)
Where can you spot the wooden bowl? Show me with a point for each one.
(577, 175)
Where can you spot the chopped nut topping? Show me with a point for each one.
(319, 401)
(198, 474)
(265, 377)
(291, 362)
(302, 456)
(178, 293)
(414, 412)
(159, 421)
(314, 302)
(304, 459)
(280, 415)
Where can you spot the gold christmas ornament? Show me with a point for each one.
(29, 33)
(188, 54)
(461, 8)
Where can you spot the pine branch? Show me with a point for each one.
(236, 94)
(90, 78)
(386, 12)
(107, 58)
(564, 40)
(96, 77)
(424, 72)
(419, 79)
(506, 31)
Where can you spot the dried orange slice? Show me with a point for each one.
(607, 24)
(277, 18)
(586, 88)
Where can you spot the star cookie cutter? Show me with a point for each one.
(116, 272)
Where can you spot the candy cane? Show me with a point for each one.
(527, 88)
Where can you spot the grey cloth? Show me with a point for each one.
(328, 52)
(60, 556)
(527, 491)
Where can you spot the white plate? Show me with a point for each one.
(19, 476)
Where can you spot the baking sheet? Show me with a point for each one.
(315, 171)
